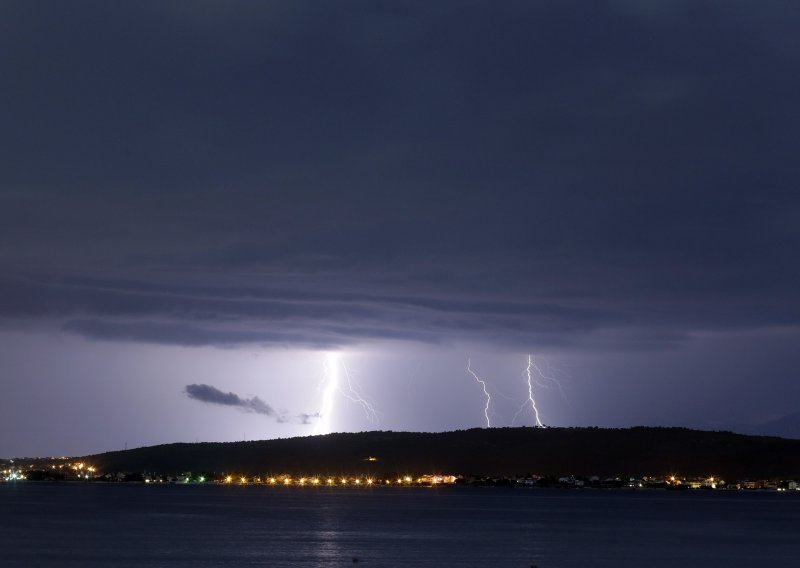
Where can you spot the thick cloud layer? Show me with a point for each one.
(586, 175)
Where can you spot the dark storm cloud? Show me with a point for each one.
(543, 174)
(212, 395)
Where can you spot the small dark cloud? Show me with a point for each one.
(307, 418)
(212, 395)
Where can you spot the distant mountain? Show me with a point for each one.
(787, 426)
(495, 451)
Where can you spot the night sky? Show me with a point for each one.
(206, 204)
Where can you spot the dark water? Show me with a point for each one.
(94, 526)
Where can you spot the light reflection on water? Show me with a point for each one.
(125, 525)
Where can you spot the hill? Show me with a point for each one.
(496, 451)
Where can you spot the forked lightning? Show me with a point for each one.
(531, 400)
(330, 385)
(485, 392)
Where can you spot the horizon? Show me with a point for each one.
(359, 432)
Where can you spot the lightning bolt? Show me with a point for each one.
(355, 396)
(330, 386)
(485, 392)
(531, 400)
(549, 380)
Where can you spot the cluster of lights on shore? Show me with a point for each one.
(13, 475)
(79, 469)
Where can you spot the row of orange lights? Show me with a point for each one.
(287, 480)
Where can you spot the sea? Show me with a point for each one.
(134, 525)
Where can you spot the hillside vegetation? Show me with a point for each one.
(496, 451)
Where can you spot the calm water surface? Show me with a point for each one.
(93, 526)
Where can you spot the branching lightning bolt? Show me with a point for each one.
(531, 400)
(549, 380)
(355, 396)
(330, 385)
(485, 392)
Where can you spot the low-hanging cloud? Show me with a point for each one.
(212, 395)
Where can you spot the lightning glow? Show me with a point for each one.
(531, 400)
(330, 386)
(485, 392)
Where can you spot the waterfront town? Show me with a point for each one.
(65, 469)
